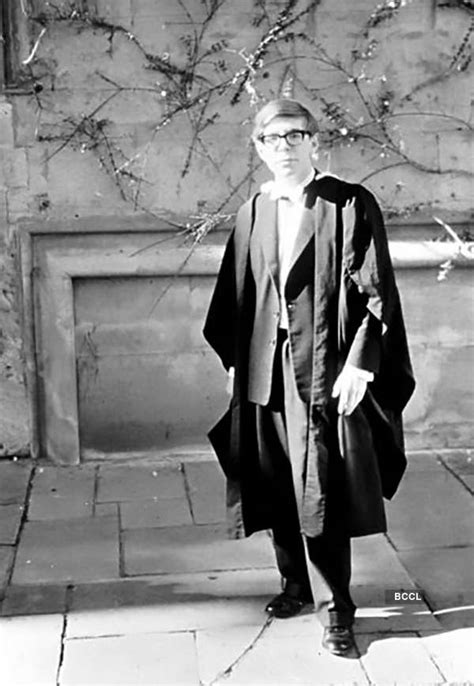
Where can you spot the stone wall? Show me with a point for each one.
(14, 430)
(144, 106)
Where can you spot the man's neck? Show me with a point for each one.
(293, 180)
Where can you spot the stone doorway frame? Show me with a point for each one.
(54, 418)
(407, 251)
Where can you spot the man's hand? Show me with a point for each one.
(230, 381)
(350, 388)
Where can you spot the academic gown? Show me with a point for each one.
(353, 274)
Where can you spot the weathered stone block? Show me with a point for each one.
(87, 191)
(6, 124)
(14, 428)
(115, 11)
(18, 204)
(15, 168)
(37, 170)
(25, 121)
(456, 150)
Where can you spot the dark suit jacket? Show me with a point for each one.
(352, 278)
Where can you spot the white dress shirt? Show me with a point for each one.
(290, 206)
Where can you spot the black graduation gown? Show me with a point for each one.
(352, 270)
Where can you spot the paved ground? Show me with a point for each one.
(120, 574)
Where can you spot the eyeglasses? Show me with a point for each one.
(292, 138)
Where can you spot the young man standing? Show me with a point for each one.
(306, 318)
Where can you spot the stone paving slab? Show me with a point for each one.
(398, 659)
(10, 520)
(205, 477)
(468, 481)
(14, 479)
(418, 516)
(155, 514)
(424, 461)
(53, 507)
(171, 615)
(34, 600)
(375, 564)
(458, 616)
(452, 651)
(218, 650)
(280, 661)
(31, 650)
(6, 561)
(390, 620)
(304, 624)
(193, 549)
(376, 614)
(62, 493)
(68, 550)
(106, 510)
(131, 660)
(125, 483)
(262, 582)
(168, 589)
(65, 482)
(446, 575)
(206, 491)
(460, 461)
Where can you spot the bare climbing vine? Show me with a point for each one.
(206, 75)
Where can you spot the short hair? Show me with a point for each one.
(283, 107)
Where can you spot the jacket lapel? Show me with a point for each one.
(307, 226)
(265, 233)
(304, 235)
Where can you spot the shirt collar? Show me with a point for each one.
(293, 193)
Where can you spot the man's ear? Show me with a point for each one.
(259, 147)
(314, 144)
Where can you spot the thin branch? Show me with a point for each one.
(35, 47)
(69, 138)
(379, 171)
(440, 115)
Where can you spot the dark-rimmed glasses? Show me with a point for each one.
(292, 138)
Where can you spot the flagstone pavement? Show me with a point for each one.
(122, 574)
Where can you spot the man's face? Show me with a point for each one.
(285, 160)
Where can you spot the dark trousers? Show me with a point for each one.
(317, 568)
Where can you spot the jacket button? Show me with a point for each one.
(291, 306)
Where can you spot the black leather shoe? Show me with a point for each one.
(339, 640)
(284, 606)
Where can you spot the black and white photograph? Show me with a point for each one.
(236, 342)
